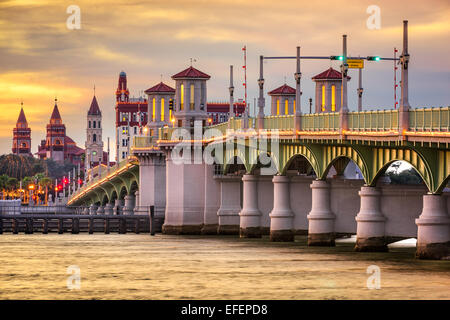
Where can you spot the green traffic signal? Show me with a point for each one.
(340, 58)
(373, 58)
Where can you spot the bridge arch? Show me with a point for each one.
(288, 154)
(264, 156)
(233, 161)
(123, 192)
(383, 158)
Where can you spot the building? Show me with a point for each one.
(328, 90)
(132, 113)
(57, 145)
(219, 112)
(283, 100)
(22, 136)
(94, 153)
(131, 116)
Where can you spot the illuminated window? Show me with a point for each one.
(286, 107)
(278, 107)
(333, 98)
(154, 109)
(182, 97)
(170, 115)
(162, 109)
(323, 98)
(192, 97)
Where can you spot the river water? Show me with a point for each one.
(208, 267)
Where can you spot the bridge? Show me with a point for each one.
(290, 174)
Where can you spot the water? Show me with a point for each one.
(199, 267)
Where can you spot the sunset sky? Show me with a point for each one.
(40, 58)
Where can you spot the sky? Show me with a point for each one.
(40, 58)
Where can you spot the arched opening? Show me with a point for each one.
(235, 166)
(343, 167)
(94, 138)
(123, 193)
(265, 165)
(134, 187)
(299, 165)
(399, 172)
(113, 197)
(105, 200)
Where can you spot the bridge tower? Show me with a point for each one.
(190, 97)
(94, 142)
(283, 100)
(328, 91)
(159, 98)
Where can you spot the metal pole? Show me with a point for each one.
(298, 93)
(231, 88)
(404, 60)
(107, 160)
(261, 94)
(360, 90)
(344, 69)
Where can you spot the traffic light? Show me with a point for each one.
(171, 104)
(340, 58)
(373, 58)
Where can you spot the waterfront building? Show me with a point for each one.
(57, 145)
(22, 136)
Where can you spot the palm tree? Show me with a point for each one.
(11, 184)
(3, 184)
(45, 182)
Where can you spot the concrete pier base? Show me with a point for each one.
(100, 210)
(321, 219)
(433, 229)
(370, 234)
(109, 209)
(229, 219)
(182, 229)
(281, 217)
(209, 229)
(128, 208)
(93, 209)
(250, 216)
(118, 204)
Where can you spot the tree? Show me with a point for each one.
(46, 182)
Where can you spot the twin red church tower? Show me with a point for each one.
(57, 145)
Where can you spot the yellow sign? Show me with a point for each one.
(355, 63)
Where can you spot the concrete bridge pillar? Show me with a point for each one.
(433, 229)
(250, 216)
(117, 210)
(185, 192)
(136, 202)
(230, 205)
(93, 209)
(321, 219)
(101, 210)
(370, 232)
(109, 209)
(152, 184)
(128, 208)
(281, 217)
(212, 202)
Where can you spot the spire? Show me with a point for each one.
(94, 109)
(56, 117)
(22, 120)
